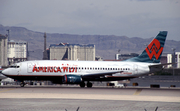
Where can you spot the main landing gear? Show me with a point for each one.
(89, 84)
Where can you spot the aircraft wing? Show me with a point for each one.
(101, 74)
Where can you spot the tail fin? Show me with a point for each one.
(152, 53)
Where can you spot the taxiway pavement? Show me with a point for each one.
(58, 98)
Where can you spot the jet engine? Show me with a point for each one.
(72, 79)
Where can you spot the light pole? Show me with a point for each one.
(173, 59)
(8, 45)
(8, 34)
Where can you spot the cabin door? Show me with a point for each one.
(135, 68)
(29, 67)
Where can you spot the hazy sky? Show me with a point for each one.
(133, 18)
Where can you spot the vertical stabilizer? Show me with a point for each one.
(153, 52)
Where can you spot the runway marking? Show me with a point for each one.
(138, 91)
(6, 90)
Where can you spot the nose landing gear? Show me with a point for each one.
(22, 84)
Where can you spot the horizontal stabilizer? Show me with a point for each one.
(158, 67)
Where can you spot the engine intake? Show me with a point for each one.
(72, 79)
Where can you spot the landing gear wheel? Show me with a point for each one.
(22, 84)
(82, 85)
(89, 84)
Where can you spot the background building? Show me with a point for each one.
(65, 51)
(17, 51)
(176, 59)
(3, 50)
(98, 58)
(125, 56)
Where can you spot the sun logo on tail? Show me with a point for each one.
(154, 48)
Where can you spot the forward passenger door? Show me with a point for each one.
(29, 67)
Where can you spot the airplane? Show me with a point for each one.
(79, 72)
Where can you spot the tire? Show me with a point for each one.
(82, 85)
(89, 84)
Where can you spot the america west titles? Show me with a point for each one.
(64, 68)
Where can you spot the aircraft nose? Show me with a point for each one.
(5, 72)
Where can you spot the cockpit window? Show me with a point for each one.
(13, 66)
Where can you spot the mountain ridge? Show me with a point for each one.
(106, 45)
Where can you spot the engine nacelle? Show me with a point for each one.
(72, 79)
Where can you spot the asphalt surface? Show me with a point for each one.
(58, 98)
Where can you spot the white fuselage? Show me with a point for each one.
(61, 68)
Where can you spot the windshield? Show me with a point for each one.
(14, 66)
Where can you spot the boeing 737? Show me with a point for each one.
(81, 72)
